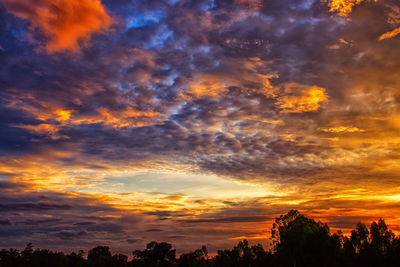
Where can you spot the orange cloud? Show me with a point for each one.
(344, 7)
(44, 128)
(297, 98)
(250, 4)
(54, 117)
(65, 22)
(341, 129)
(116, 119)
(128, 117)
(204, 85)
(247, 76)
(389, 35)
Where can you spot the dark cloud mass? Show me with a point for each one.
(301, 96)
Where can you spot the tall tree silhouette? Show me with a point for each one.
(300, 241)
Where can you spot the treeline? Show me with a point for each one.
(298, 241)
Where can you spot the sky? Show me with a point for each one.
(195, 122)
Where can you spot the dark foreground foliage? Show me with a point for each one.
(298, 241)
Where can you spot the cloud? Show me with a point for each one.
(250, 4)
(344, 7)
(204, 85)
(41, 129)
(153, 230)
(39, 221)
(341, 129)
(67, 23)
(5, 221)
(297, 98)
(54, 118)
(33, 206)
(70, 235)
(232, 220)
(390, 34)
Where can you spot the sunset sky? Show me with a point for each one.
(195, 122)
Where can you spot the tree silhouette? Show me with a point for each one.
(197, 258)
(381, 237)
(155, 254)
(10, 257)
(300, 241)
(359, 237)
(242, 255)
(100, 256)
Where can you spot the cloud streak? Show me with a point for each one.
(390, 34)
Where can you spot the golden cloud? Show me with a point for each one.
(291, 97)
(341, 129)
(389, 35)
(297, 98)
(65, 22)
(42, 129)
(344, 7)
(204, 85)
(54, 117)
(250, 4)
(247, 77)
(128, 117)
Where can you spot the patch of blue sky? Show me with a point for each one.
(175, 110)
(172, 2)
(120, 86)
(307, 4)
(266, 18)
(209, 5)
(281, 32)
(19, 33)
(205, 48)
(159, 39)
(170, 80)
(139, 20)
